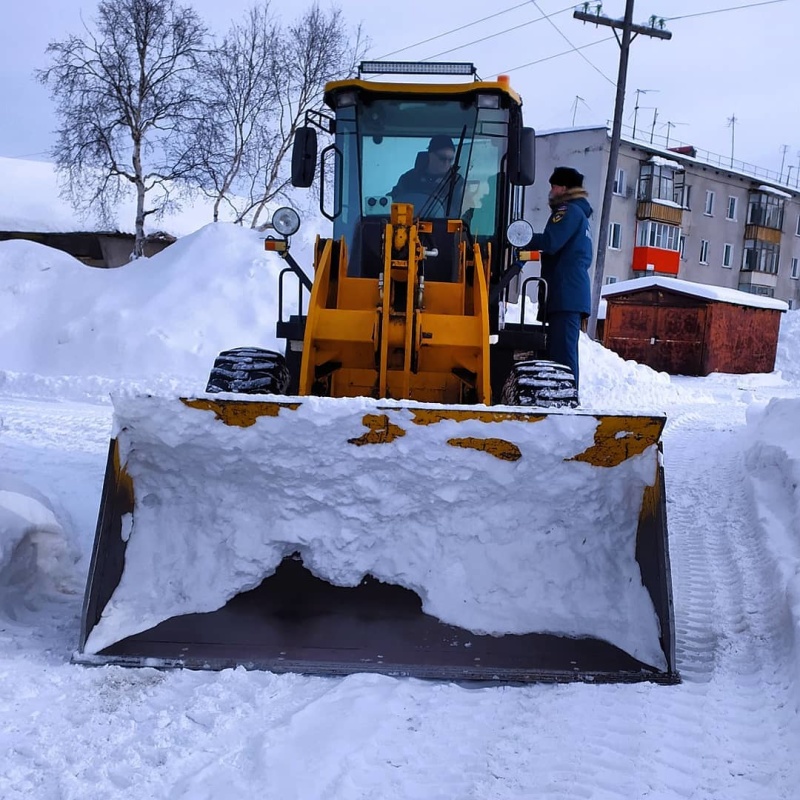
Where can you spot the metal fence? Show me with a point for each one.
(790, 178)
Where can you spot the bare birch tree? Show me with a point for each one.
(279, 73)
(123, 91)
(237, 94)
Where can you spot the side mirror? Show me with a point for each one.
(522, 158)
(304, 157)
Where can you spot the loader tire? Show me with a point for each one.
(249, 370)
(540, 383)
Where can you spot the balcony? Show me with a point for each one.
(655, 261)
(660, 211)
(760, 233)
(765, 216)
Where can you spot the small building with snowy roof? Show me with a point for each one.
(686, 328)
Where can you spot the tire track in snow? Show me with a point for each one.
(731, 645)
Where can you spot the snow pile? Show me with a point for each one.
(787, 358)
(773, 462)
(166, 315)
(33, 545)
(611, 384)
(479, 539)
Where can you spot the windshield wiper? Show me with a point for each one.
(447, 183)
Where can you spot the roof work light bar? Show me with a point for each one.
(417, 68)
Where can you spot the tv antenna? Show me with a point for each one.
(578, 99)
(636, 107)
(669, 125)
(732, 125)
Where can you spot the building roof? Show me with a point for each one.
(692, 289)
(683, 155)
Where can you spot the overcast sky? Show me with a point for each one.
(738, 64)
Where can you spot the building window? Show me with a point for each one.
(765, 210)
(704, 251)
(682, 247)
(797, 228)
(731, 209)
(727, 255)
(609, 279)
(658, 234)
(615, 236)
(709, 210)
(619, 182)
(795, 273)
(760, 257)
(660, 182)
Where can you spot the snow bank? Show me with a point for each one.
(787, 358)
(166, 315)
(773, 462)
(32, 541)
(612, 384)
(540, 544)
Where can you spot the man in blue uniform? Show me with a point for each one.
(566, 248)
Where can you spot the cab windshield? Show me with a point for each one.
(383, 146)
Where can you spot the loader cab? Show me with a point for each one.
(385, 131)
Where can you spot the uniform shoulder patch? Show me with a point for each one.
(558, 213)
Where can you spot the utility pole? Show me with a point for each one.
(655, 29)
(784, 148)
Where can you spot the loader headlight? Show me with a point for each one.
(286, 221)
(519, 233)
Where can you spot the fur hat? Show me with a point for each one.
(440, 142)
(566, 176)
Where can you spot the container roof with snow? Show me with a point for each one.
(701, 290)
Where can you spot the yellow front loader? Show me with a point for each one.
(424, 497)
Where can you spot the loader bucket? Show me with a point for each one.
(334, 536)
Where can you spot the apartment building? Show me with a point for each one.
(677, 214)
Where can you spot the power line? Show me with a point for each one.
(575, 49)
(455, 30)
(556, 55)
(722, 10)
(483, 38)
(499, 33)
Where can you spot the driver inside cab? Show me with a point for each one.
(433, 176)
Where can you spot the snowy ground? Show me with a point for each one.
(729, 731)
